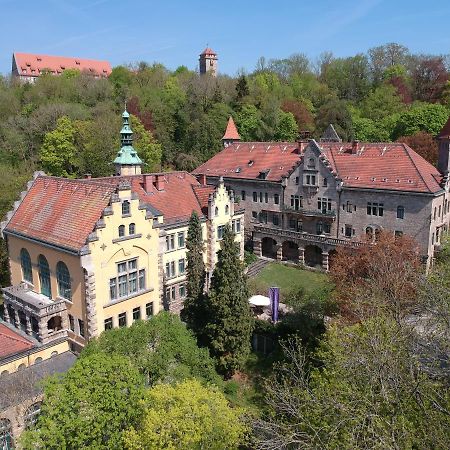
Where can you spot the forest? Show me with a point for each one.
(69, 125)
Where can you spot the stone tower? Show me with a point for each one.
(208, 62)
(127, 161)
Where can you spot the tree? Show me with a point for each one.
(302, 115)
(187, 416)
(381, 278)
(286, 128)
(89, 406)
(424, 144)
(148, 149)
(381, 102)
(384, 57)
(193, 312)
(229, 322)
(429, 78)
(59, 155)
(370, 391)
(249, 123)
(335, 112)
(161, 349)
(242, 89)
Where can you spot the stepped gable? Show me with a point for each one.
(248, 159)
(60, 211)
(12, 342)
(30, 64)
(231, 133)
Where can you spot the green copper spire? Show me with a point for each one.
(127, 155)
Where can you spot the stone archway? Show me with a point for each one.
(290, 251)
(54, 324)
(269, 247)
(313, 256)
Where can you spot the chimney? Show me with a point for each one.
(87, 176)
(303, 140)
(202, 179)
(159, 182)
(355, 146)
(148, 179)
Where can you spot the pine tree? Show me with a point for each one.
(193, 310)
(229, 322)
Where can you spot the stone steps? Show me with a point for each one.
(256, 267)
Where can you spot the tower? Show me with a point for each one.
(208, 62)
(127, 161)
(231, 133)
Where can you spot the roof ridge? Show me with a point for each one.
(74, 180)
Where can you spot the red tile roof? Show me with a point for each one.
(60, 211)
(29, 64)
(208, 51)
(392, 166)
(12, 342)
(231, 132)
(202, 193)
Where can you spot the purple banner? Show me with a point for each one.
(274, 295)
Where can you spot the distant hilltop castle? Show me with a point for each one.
(208, 62)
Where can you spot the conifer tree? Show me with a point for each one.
(193, 310)
(229, 322)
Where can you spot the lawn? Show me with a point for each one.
(287, 278)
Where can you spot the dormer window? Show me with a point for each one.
(250, 163)
(263, 174)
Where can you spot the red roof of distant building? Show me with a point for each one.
(12, 342)
(231, 132)
(60, 211)
(29, 64)
(393, 166)
(208, 51)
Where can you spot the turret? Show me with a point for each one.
(208, 62)
(127, 161)
(231, 133)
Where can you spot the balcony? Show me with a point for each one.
(310, 212)
(307, 238)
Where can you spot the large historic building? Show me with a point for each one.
(89, 254)
(304, 199)
(28, 67)
(208, 62)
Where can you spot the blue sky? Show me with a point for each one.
(174, 32)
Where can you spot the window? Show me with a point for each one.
(255, 196)
(296, 202)
(398, 234)
(263, 217)
(63, 279)
(181, 266)
(325, 182)
(170, 269)
(243, 195)
(121, 230)
(44, 276)
(292, 224)
(132, 229)
(108, 323)
(266, 197)
(324, 204)
(348, 231)
(311, 163)
(5, 434)
(319, 227)
(254, 214)
(182, 291)
(400, 212)
(260, 197)
(181, 240)
(326, 227)
(220, 230)
(25, 262)
(227, 209)
(170, 242)
(349, 207)
(439, 213)
(216, 212)
(297, 181)
(310, 180)
(375, 209)
(276, 199)
(434, 215)
(149, 310)
(81, 327)
(122, 319)
(136, 313)
(32, 414)
(369, 233)
(125, 208)
(236, 225)
(71, 323)
(129, 280)
(276, 220)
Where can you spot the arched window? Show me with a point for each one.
(32, 414)
(121, 230)
(227, 209)
(132, 228)
(44, 276)
(400, 212)
(369, 233)
(216, 211)
(125, 207)
(63, 279)
(25, 262)
(5, 433)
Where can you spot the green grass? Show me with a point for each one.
(288, 279)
